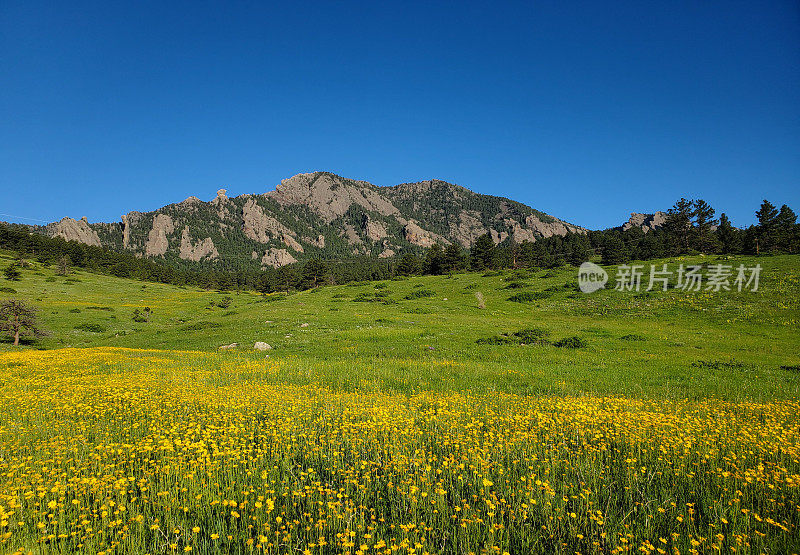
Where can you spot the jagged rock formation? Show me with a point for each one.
(646, 222)
(374, 230)
(315, 215)
(415, 235)
(277, 258)
(196, 251)
(330, 196)
(74, 230)
(548, 229)
(157, 241)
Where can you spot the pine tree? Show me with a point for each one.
(786, 230)
(286, 278)
(678, 226)
(767, 215)
(578, 248)
(453, 258)
(703, 222)
(314, 274)
(728, 236)
(409, 265)
(481, 254)
(434, 260)
(614, 250)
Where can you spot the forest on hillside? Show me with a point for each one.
(691, 227)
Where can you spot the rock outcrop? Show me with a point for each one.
(646, 222)
(330, 197)
(415, 235)
(291, 242)
(373, 230)
(196, 251)
(548, 229)
(468, 228)
(319, 242)
(259, 226)
(277, 258)
(498, 237)
(157, 241)
(74, 230)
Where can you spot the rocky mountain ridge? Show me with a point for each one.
(316, 214)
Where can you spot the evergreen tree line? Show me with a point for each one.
(690, 228)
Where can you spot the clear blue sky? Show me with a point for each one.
(586, 110)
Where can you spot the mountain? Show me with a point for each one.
(315, 215)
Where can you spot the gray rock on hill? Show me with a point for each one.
(74, 230)
(646, 222)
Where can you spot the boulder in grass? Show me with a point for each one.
(231, 346)
(261, 346)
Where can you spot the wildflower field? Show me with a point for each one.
(423, 425)
(128, 451)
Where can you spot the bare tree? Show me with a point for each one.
(18, 318)
(63, 266)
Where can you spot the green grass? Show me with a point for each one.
(428, 330)
(401, 414)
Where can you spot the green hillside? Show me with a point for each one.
(428, 332)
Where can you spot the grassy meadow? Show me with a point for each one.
(401, 417)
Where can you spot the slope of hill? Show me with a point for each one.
(436, 318)
(315, 214)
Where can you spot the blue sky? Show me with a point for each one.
(586, 110)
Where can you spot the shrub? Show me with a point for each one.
(419, 310)
(516, 285)
(143, 315)
(74, 310)
(368, 297)
(496, 340)
(528, 336)
(632, 337)
(422, 293)
(7, 290)
(573, 342)
(532, 335)
(718, 365)
(12, 273)
(90, 327)
(529, 296)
